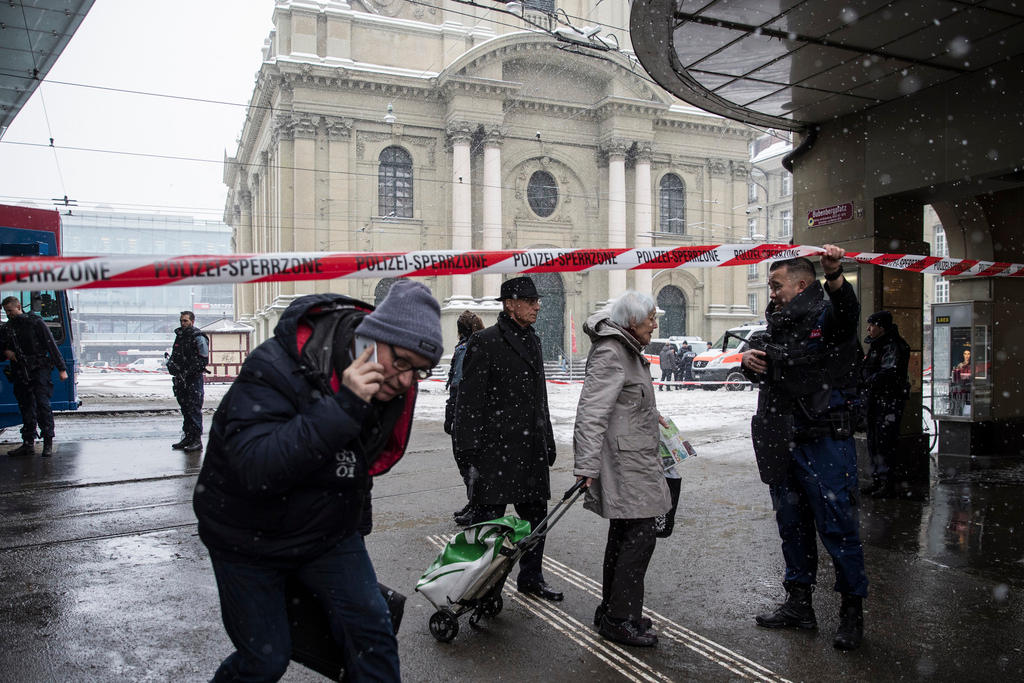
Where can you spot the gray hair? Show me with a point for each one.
(630, 308)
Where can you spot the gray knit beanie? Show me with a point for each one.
(409, 317)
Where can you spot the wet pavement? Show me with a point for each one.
(102, 576)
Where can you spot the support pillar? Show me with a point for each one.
(642, 227)
(492, 206)
(616, 213)
(462, 220)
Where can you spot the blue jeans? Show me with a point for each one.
(190, 393)
(820, 492)
(252, 603)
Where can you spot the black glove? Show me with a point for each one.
(172, 367)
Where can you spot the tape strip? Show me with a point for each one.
(131, 271)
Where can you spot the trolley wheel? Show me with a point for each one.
(736, 377)
(444, 625)
(493, 605)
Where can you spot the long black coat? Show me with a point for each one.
(502, 421)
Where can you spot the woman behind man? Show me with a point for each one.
(468, 323)
(616, 449)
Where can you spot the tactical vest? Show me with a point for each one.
(802, 379)
(188, 359)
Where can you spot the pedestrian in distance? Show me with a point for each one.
(187, 366)
(807, 365)
(684, 366)
(468, 323)
(667, 359)
(502, 427)
(615, 444)
(26, 341)
(885, 389)
(284, 491)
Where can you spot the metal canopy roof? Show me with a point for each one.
(790, 63)
(33, 33)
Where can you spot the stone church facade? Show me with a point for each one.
(391, 125)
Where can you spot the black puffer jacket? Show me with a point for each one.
(288, 466)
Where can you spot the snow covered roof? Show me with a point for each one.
(773, 150)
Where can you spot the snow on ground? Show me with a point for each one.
(702, 416)
(698, 411)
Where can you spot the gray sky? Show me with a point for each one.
(206, 49)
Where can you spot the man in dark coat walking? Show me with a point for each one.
(502, 426)
(885, 386)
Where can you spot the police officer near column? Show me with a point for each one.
(807, 365)
(187, 366)
(26, 341)
(886, 389)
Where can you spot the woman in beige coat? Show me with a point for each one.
(616, 448)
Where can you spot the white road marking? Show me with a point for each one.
(616, 657)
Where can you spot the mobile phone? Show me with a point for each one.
(362, 343)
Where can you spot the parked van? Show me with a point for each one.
(717, 366)
(147, 365)
(652, 351)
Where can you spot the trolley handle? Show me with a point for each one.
(573, 489)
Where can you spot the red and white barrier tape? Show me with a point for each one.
(84, 272)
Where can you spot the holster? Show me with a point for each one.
(773, 441)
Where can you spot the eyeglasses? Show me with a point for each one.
(403, 365)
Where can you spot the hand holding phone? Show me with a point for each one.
(364, 375)
(361, 344)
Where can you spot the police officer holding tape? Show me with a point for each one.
(807, 366)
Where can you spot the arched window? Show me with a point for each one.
(672, 205)
(673, 323)
(394, 183)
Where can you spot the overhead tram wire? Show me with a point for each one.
(42, 102)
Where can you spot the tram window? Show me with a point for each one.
(45, 304)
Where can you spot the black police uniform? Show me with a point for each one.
(803, 440)
(28, 336)
(187, 366)
(885, 393)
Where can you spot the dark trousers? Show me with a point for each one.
(252, 603)
(883, 426)
(190, 393)
(534, 511)
(820, 492)
(34, 403)
(626, 556)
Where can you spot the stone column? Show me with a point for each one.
(492, 205)
(616, 211)
(642, 227)
(462, 220)
(243, 245)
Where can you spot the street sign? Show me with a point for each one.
(829, 214)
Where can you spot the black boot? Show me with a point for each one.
(796, 612)
(850, 633)
(195, 444)
(47, 447)
(26, 448)
(180, 444)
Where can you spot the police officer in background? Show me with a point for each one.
(187, 366)
(26, 341)
(885, 390)
(807, 365)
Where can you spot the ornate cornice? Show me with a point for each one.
(294, 125)
(578, 112)
(449, 86)
(338, 127)
(717, 127)
(429, 144)
(718, 167)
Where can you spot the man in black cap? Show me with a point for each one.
(502, 425)
(885, 390)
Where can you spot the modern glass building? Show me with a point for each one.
(124, 323)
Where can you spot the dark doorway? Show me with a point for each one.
(551, 318)
(672, 300)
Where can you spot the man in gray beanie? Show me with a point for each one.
(284, 492)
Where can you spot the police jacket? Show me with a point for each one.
(291, 452)
(28, 336)
(884, 370)
(190, 353)
(813, 353)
